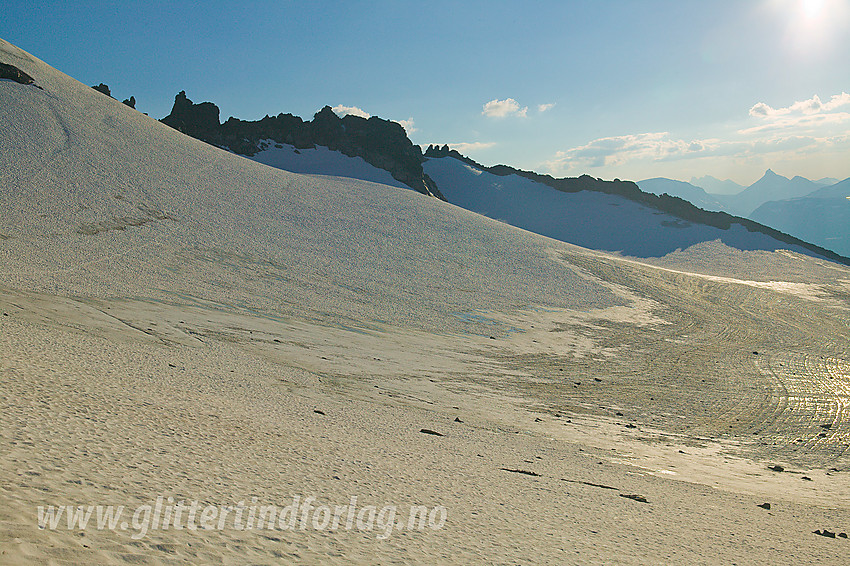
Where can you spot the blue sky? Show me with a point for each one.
(626, 89)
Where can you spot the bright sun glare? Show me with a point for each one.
(811, 25)
(812, 10)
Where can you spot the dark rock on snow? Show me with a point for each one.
(13, 73)
(524, 472)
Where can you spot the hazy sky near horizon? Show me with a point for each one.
(613, 88)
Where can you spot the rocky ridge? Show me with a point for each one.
(381, 143)
(675, 206)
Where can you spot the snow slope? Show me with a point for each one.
(98, 199)
(321, 161)
(589, 219)
(181, 321)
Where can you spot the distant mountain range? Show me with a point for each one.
(822, 217)
(691, 193)
(741, 203)
(770, 187)
(815, 211)
(716, 186)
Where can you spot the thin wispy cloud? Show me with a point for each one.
(803, 107)
(661, 147)
(802, 115)
(502, 108)
(802, 128)
(799, 123)
(408, 125)
(341, 111)
(618, 150)
(544, 107)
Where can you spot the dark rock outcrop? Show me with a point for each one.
(381, 143)
(196, 120)
(104, 89)
(13, 73)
